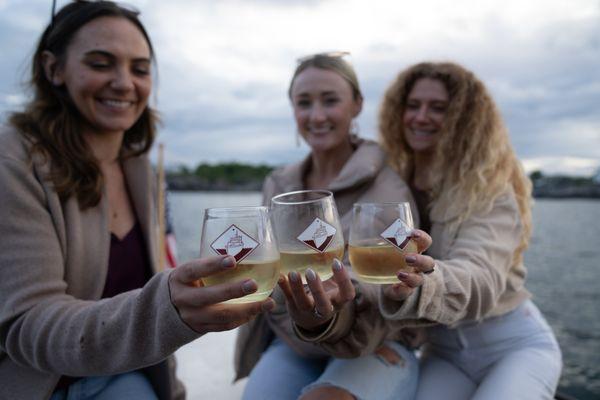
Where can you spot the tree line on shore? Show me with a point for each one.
(235, 176)
(230, 176)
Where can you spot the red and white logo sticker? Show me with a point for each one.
(318, 235)
(398, 234)
(234, 242)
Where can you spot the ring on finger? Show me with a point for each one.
(429, 271)
(318, 314)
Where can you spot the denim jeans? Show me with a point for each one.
(130, 385)
(512, 356)
(281, 374)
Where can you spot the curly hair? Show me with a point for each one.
(52, 123)
(474, 161)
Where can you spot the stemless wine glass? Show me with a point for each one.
(246, 234)
(308, 231)
(379, 237)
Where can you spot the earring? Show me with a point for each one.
(353, 128)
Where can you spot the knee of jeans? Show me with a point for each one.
(327, 393)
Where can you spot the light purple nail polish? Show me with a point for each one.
(294, 277)
(402, 275)
(227, 262)
(310, 275)
(337, 265)
(410, 259)
(249, 286)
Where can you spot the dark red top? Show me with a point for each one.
(128, 269)
(128, 265)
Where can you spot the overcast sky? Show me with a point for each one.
(224, 67)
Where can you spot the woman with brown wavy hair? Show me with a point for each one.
(446, 138)
(84, 313)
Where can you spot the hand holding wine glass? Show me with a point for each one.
(315, 304)
(202, 307)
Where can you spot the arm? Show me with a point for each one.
(45, 328)
(470, 279)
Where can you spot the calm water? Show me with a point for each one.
(563, 263)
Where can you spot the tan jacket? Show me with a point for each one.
(364, 178)
(475, 278)
(53, 266)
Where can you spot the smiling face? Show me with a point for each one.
(324, 107)
(424, 114)
(106, 73)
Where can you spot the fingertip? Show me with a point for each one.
(337, 265)
(267, 305)
(249, 286)
(228, 262)
(294, 276)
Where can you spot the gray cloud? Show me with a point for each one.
(225, 98)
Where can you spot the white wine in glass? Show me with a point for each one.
(308, 231)
(379, 238)
(246, 234)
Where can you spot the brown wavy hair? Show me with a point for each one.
(52, 123)
(474, 162)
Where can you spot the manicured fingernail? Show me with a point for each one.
(294, 277)
(268, 305)
(410, 259)
(337, 265)
(249, 286)
(310, 275)
(415, 234)
(228, 262)
(402, 275)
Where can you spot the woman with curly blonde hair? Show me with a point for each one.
(446, 138)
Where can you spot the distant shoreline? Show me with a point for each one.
(241, 178)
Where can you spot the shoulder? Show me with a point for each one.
(288, 177)
(14, 145)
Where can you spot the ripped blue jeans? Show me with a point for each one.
(281, 374)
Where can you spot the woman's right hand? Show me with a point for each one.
(314, 305)
(421, 264)
(201, 308)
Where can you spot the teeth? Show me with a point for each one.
(420, 133)
(320, 130)
(117, 103)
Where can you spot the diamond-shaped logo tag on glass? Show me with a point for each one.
(318, 235)
(397, 234)
(234, 242)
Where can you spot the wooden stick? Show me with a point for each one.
(161, 209)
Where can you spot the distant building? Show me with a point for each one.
(596, 177)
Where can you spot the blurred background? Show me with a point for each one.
(223, 70)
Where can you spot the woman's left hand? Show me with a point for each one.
(421, 264)
(316, 306)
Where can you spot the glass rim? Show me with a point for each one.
(241, 209)
(383, 204)
(277, 199)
